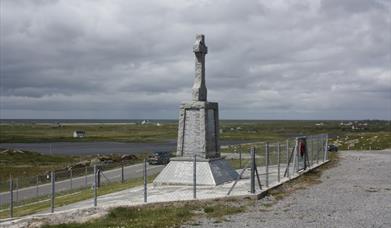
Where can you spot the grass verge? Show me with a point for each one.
(163, 215)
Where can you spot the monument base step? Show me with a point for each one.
(209, 172)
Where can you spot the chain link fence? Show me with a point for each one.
(44, 193)
(269, 163)
(259, 165)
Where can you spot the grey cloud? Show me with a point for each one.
(133, 59)
(353, 6)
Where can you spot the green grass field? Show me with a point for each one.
(364, 141)
(252, 130)
(27, 163)
(10, 133)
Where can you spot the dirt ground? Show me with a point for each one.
(355, 193)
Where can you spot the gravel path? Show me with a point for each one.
(356, 193)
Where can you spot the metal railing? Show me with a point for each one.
(259, 165)
(270, 163)
(27, 193)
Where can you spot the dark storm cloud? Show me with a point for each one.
(133, 59)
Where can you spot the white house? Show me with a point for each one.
(144, 122)
(79, 134)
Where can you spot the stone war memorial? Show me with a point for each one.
(198, 136)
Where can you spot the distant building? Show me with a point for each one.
(360, 126)
(79, 134)
(356, 125)
(145, 122)
(346, 124)
(319, 124)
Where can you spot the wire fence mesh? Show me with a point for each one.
(260, 165)
(275, 161)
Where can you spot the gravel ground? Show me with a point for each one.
(356, 193)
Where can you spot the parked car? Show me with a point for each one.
(159, 158)
(332, 148)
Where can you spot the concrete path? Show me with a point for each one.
(357, 193)
(114, 175)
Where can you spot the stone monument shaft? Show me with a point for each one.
(199, 87)
(198, 129)
(198, 136)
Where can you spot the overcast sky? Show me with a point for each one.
(267, 59)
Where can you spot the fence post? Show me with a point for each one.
(267, 163)
(98, 171)
(252, 174)
(1, 199)
(86, 176)
(17, 189)
(317, 149)
(37, 186)
(71, 175)
(53, 180)
(195, 177)
(145, 181)
(11, 197)
(325, 148)
(240, 157)
(297, 155)
(287, 157)
(122, 172)
(95, 187)
(278, 160)
(312, 150)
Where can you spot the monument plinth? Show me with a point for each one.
(198, 134)
(198, 130)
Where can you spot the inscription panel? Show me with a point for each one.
(192, 142)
